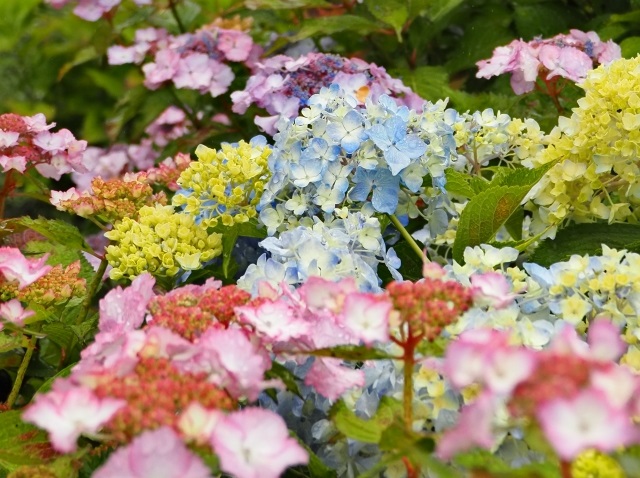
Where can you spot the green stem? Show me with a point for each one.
(174, 12)
(91, 291)
(407, 237)
(17, 384)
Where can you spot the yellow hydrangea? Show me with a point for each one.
(598, 175)
(593, 464)
(224, 185)
(161, 242)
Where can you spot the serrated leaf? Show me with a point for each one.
(514, 224)
(458, 183)
(60, 334)
(57, 231)
(391, 12)
(584, 239)
(352, 352)
(520, 176)
(335, 24)
(489, 210)
(21, 443)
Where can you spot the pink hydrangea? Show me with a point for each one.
(13, 312)
(27, 141)
(491, 288)
(255, 443)
(14, 266)
(92, 10)
(125, 309)
(194, 61)
(586, 421)
(171, 124)
(569, 56)
(159, 454)
(331, 379)
(68, 411)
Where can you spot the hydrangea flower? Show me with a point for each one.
(93, 10)
(570, 56)
(283, 85)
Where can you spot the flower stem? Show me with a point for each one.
(91, 291)
(17, 384)
(407, 237)
(565, 469)
(174, 12)
(7, 188)
(407, 391)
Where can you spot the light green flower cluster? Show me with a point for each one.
(161, 242)
(224, 185)
(598, 174)
(594, 464)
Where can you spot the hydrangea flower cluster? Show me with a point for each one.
(225, 185)
(113, 161)
(189, 311)
(321, 313)
(195, 384)
(93, 10)
(15, 267)
(109, 200)
(161, 241)
(26, 140)
(350, 245)
(337, 146)
(165, 174)
(58, 285)
(195, 61)
(596, 148)
(569, 56)
(283, 85)
(575, 392)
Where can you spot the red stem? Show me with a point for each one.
(7, 189)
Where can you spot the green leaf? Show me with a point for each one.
(430, 82)
(630, 47)
(391, 12)
(584, 239)
(289, 379)
(459, 183)
(352, 352)
(83, 56)
(21, 443)
(9, 342)
(228, 242)
(57, 231)
(317, 469)
(60, 334)
(367, 431)
(46, 386)
(335, 24)
(541, 19)
(489, 210)
(514, 224)
(485, 461)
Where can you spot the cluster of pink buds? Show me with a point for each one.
(195, 61)
(282, 85)
(93, 10)
(190, 311)
(429, 305)
(108, 200)
(574, 391)
(27, 140)
(569, 56)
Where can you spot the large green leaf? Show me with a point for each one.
(430, 82)
(21, 443)
(584, 239)
(57, 231)
(367, 431)
(489, 210)
(391, 12)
